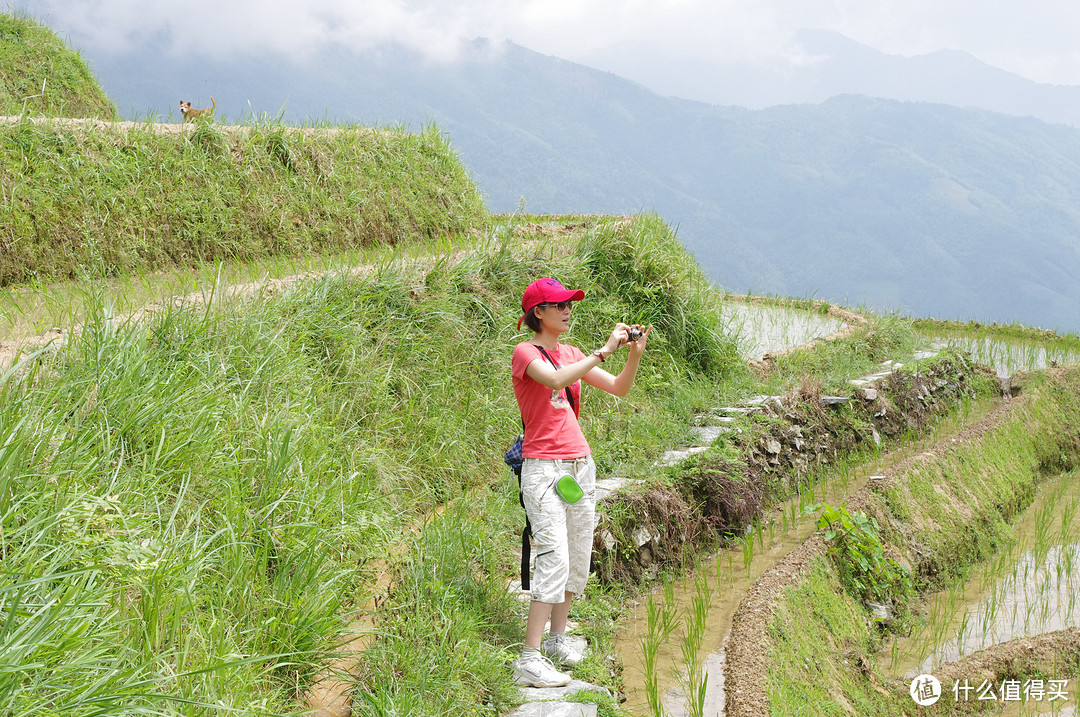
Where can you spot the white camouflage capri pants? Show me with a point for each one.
(562, 532)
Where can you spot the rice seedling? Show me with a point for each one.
(650, 642)
(718, 566)
(746, 541)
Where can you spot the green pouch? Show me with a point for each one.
(568, 489)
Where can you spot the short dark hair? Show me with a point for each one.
(532, 320)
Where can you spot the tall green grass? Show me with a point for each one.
(215, 489)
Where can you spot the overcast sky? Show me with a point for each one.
(1034, 38)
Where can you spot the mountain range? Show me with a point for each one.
(920, 207)
(829, 64)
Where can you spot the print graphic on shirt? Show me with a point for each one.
(558, 399)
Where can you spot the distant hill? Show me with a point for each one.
(928, 209)
(832, 64)
(43, 76)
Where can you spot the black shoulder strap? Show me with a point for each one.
(526, 545)
(569, 397)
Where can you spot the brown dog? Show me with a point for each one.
(191, 115)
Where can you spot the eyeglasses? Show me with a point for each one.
(561, 305)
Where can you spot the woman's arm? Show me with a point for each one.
(543, 372)
(620, 385)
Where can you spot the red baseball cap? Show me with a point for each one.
(546, 290)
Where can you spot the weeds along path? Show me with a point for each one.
(410, 260)
(747, 666)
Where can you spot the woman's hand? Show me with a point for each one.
(620, 336)
(620, 385)
(638, 347)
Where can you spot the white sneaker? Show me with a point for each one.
(538, 672)
(558, 648)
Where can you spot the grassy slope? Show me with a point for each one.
(228, 484)
(104, 200)
(40, 75)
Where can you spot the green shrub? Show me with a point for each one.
(855, 548)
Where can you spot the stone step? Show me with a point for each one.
(705, 435)
(868, 379)
(607, 486)
(554, 709)
(548, 701)
(670, 458)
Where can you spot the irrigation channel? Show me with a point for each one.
(1031, 587)
(653, 644)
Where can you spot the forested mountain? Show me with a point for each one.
(926, 208)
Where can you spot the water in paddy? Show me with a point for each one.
(766, 329)
(1028, 588)
(1007, 356)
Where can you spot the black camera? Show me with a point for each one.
(633, 333)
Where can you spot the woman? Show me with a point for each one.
(547, 378)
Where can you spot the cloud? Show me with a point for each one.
(229, 26)
(1035, 38)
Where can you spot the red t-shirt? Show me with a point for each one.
(551, 427)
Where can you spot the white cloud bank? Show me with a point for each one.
(1034, 38)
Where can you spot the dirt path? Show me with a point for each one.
(531, 236)
(176, 128)
(56, 338)
(746, 669)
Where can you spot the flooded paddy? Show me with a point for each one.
(760, 329)
(673, 646)
(1007, 356)
(1030, 587)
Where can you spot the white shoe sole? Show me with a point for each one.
(528, 679)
